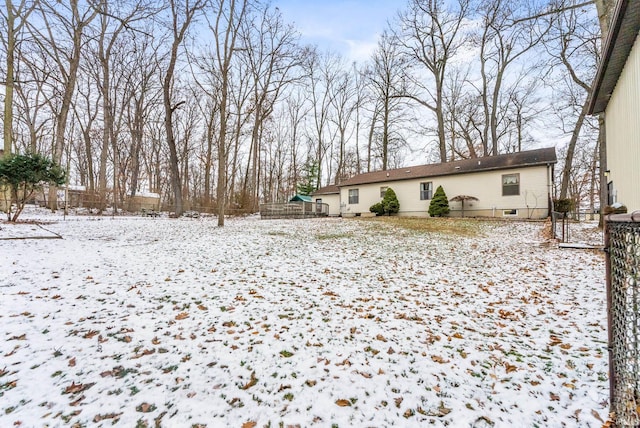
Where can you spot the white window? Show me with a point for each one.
(510, 184)
(383, 190)
(510, 213)
(426, 191)
(353, 196)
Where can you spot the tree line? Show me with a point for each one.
(218, 104)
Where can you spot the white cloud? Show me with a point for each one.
(348, 27)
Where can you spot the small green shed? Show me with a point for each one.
(301, 198)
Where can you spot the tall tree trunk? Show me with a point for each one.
(221, 190)
(9, 80)
(178, 31)
(80, 23)
(571, 148)
(208, 160)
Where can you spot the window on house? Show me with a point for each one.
(383, 190)
(353, 196)
(509, 213)
(510, 184)
(426, 191)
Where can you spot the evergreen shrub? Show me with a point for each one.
(439, 205)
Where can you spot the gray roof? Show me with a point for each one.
(327, 190)
(528, 158)
(623, 32)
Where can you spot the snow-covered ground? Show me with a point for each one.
(329, 322)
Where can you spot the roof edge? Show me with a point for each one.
(596, 102)
(549, 158)
(498, 168)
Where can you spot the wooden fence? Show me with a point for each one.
(294, 210)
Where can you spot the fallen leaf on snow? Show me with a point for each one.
(252, 381)
(77, 387)
(596, 415)
(439, 359)
(145, 408)
(114, 416)
(21, 337)
(343, 403)
(510, 368)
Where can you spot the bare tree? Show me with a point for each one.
(86, 111)
(510, 31)
(574, 47)
(144, 97)
(388, 87)
(296, 110)
(115, 17)
(72, 22)
(322, 71)
(225, 28)
(344, 104)
(15, 17)
(31, 103)
(182, 14)
(272, 53)
(432, 37)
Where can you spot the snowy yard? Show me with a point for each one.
(349, 323)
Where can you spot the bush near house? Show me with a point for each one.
(377, 208)
(439, 205)
(389, 204)
(564, 205)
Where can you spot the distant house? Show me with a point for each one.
(329, 195)
(511, 185)
(616, 93)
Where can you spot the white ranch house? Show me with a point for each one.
(616, 93)
(511, 185)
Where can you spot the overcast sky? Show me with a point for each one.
(350, 27)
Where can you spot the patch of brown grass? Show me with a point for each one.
(448, 226)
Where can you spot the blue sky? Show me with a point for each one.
(350, 27)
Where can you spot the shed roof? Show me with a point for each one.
(514, 160)
(301, 198)
(623, 32)
(327, 190)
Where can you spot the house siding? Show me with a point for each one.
(623, 131)
(532, 202)
(333, 200)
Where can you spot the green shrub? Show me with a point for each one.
(377, 208)
(23, 175)
(563, 205)
(439, 205)
(390, 203)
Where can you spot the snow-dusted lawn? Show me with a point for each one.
(305, 322)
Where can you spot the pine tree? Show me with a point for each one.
(390, 203)
(439, 205)
(23, 175)
(309, 179)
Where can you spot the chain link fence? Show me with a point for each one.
(560, 226)
(622, 244)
